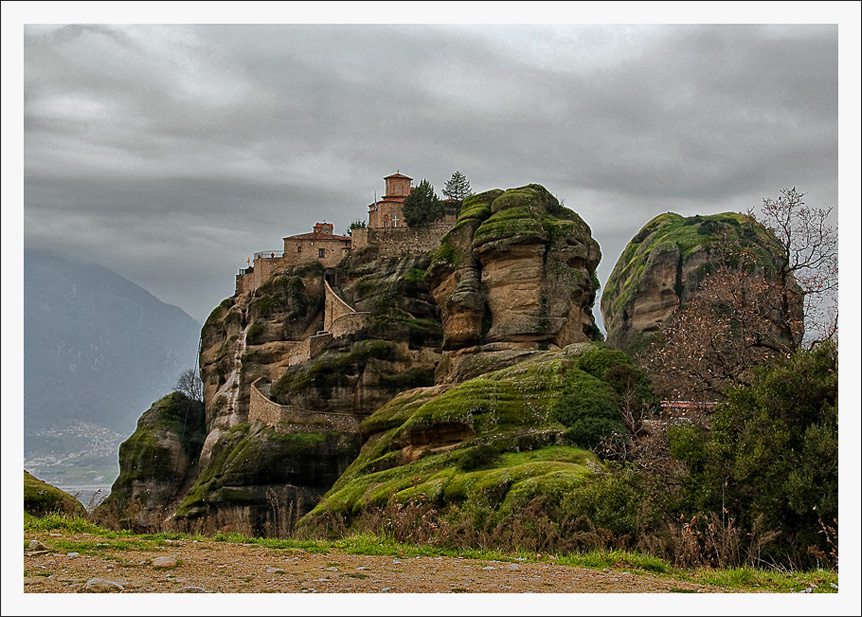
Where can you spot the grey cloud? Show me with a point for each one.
(260, 129)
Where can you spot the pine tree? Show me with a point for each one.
(422, 206)
(458, 187)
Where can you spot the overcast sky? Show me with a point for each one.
(171, 153)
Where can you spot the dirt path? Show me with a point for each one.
(223, 567)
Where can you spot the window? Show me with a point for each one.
(298, 248)
(321, 253)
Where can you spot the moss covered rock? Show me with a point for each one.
(245, 473)
(397, 349)
(517, 272)
(40, 498)
(514, 277)
(664, 265)
(257, 475)
(157, 462)
(501, 438)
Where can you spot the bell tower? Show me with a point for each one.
(397, 185)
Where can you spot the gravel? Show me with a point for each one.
(223, 567)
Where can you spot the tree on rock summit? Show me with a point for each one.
(422, 206)
(458, 187)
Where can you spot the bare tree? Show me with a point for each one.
(734, 323)
(810, 246)
(747, 313)
(190, 384)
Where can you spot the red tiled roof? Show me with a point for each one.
(397, 176)
(318, 237)
(384, 200)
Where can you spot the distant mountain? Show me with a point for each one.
(98, 350)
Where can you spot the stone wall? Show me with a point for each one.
(244, 283)
(390, 242)
(302, 249)
(292, 419)
(398, 241)
(334, 307)
(265, 267)
(339, 318)
(348, 324)
(358, 237)
(303, 351)
(318, 343)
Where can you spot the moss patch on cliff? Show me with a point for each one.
(249, 458)
(156, 459)
(512, 421)
(399, 302)
(508, 483)
(287, 295)
(477, 208)
(40, 499)
(455, 248)
(330, 369)
(446, 255)
(146, 453)
(526, 215)
(515, 225)
(218, 312)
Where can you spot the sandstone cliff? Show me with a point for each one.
(397, 349)
(663, 266)
(514, 278)
(516, 274)
(255, 335)
(243, 469)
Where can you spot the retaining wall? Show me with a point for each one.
(288, 418)
(339, 318)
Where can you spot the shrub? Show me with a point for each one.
(771, 453)
(422, 206)
(478, 457)
(588, 407)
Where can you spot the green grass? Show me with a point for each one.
(620, 560)
(62, 522)
(750, 579)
